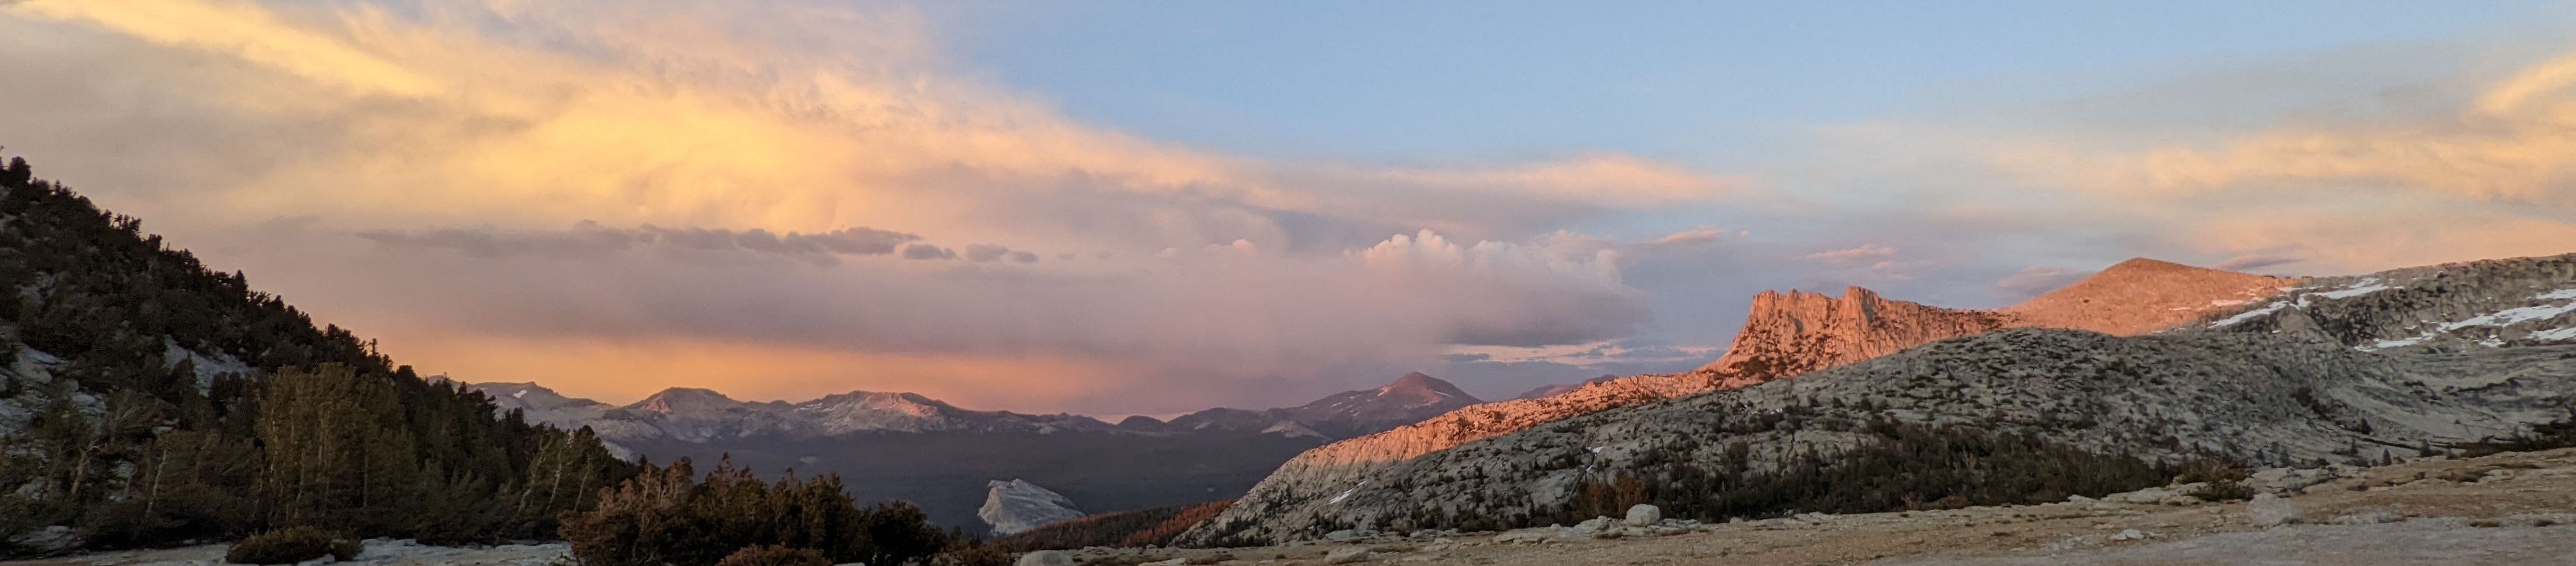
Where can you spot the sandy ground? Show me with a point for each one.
(2502, 509)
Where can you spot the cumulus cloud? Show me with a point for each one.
(787, 123)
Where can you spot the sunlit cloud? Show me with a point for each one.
(744, 179)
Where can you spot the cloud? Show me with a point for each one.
(2253, 262)
(927, 251)
(590, 238)
(986, 252)
(2040, 279)
(1862, 253)
(1694, 236)
(465, 134)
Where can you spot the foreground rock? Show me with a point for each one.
(1017, 505)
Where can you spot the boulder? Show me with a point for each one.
(2148, 496)
(1017, 505)
(1596, 526)
(1347, 555)
(2269, 511)
(49, 540)
(1046, 558)
(1644, 515)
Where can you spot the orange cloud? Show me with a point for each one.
(620, 371)
(665, 112)
(2516, 141)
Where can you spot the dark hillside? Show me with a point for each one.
(147, 399)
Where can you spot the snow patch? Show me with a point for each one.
(2509, 317)
(2568, 333)
(2397, 343)
(2560, 294)
(1346, 494)
(2249, 315)
(2365, 286)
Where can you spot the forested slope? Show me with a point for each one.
(147, 399)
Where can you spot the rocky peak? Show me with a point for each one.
(909, 404)
(1422, 389)
(2144, 295)
(1544, 391)
(685, 401)
(1796, 332)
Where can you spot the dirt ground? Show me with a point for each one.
(2502, 509)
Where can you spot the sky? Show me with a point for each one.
(1156, 207)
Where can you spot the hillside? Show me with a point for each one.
(148, 399)
(2039, 414)
(1784, 335)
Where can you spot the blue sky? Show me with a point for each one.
(1708, 83)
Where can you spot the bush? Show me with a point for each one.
(2224, 490)
(667, 517)
(2211, 472)
(1157, 526)
(1895, 467)
(982, 555)
(292, 545)
(774, 555)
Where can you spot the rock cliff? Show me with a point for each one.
(1017, 505)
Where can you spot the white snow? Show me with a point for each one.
(2509, 317)
(2397, 343)
(1346, 494)
(2365, 286)
(2568, 333)
(2249, 315)
(2558, 294)
(522, 394)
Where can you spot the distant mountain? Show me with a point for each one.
(939, 456)
(703, 415)
(1784, 335)
(1408, 400)
(1545, 391)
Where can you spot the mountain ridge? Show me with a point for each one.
(2296, 377)
(1784, 335)
(695, 414)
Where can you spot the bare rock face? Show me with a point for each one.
(2143, 295)
(1797, 332)
(2296, 374)
(1017, 505)
(1785, 335)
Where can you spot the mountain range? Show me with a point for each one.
(940, 457)
(2145, 366)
